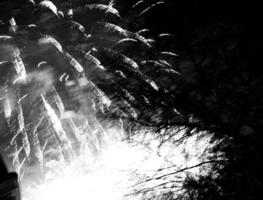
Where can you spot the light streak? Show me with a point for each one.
(118, 170)
(79, 157)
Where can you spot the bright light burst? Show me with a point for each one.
(122, 170)
(76, 156)
(59, 147)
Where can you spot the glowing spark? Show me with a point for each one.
(61, 135)
(120, 170)
(7, 108)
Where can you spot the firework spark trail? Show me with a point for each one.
(19, 67)
(120, 169)
(36, 144)
(21, 123)
(7, 107)
(58, 101)
(59, 131)
(80, 157)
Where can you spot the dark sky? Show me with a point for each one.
(177, 13)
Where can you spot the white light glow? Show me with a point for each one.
(118, 170)
(74, 155)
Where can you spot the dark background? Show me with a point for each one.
(176, 14)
